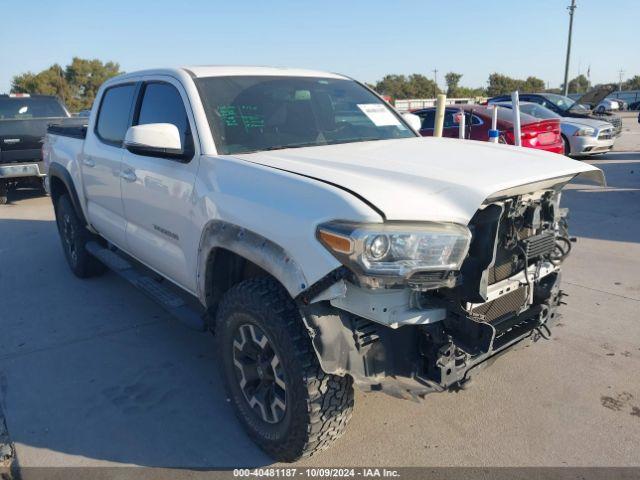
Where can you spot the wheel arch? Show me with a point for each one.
(229, 254)
(60, 182)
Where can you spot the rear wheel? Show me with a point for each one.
(75, 236)
(284, 400)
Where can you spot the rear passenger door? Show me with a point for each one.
(101, 162)
(157, 191)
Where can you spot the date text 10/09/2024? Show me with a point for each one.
(316, 472)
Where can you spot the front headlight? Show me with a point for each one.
(396, 249)
(585, 132)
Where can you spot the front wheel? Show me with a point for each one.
(288, 405)
(565, 146)
(74, 237)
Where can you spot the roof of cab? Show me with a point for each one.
(204, 71)
(237, 70)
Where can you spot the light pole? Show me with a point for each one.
(571, 8)
(435, 80)
(621, 73)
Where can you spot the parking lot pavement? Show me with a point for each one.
(629, 141)
(94, 373)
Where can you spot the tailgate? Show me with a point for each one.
(20, 140)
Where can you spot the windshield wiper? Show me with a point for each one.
(292, 145)
(353, 140)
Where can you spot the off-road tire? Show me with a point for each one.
(318, 405)
(74, 236)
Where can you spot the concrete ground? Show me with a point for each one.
(93, 373)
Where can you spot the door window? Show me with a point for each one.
(162, 103)
(113, 118)
(428, 119)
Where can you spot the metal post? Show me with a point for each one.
(462, 125)
(437, 132)
(517, 132)
(566, 65)
(493, 133)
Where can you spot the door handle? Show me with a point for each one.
(128, 174)
(88, 162)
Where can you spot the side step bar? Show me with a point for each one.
(167, 299)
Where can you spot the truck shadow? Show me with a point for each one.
(24, 194)
(93, 370)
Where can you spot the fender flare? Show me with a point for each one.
(58, 171)
(265, 253)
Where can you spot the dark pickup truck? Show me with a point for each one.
(23, 123)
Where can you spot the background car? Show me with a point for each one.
(634, 105)
(566, 107)
(608, 105)
(580, 136)
(536, 133)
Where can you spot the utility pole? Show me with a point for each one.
(620, 73)
(571, 9)
(435, 79)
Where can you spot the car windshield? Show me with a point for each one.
(534, 110)
(255, 113)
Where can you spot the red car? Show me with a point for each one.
(536, 133)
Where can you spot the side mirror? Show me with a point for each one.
(154, 140)
(413, 121)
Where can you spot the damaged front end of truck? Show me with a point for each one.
(428, 328)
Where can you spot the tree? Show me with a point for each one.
(402, 87)
(454, 90)
(48, 82)
(85, 78)
(501, 84)
(76, 84)
(632, 84)
(532, 84)
(452, 79)
(580, 84)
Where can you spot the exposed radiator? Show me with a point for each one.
(508, 303)
(539, 244)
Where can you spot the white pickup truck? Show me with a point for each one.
(326, 244)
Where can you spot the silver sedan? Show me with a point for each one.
(580, 136)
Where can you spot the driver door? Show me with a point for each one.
(157, 191)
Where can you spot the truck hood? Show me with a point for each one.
(426, 178)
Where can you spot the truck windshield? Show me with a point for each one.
(256, 113)
(17, 108)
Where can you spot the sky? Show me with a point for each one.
(362, 39)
